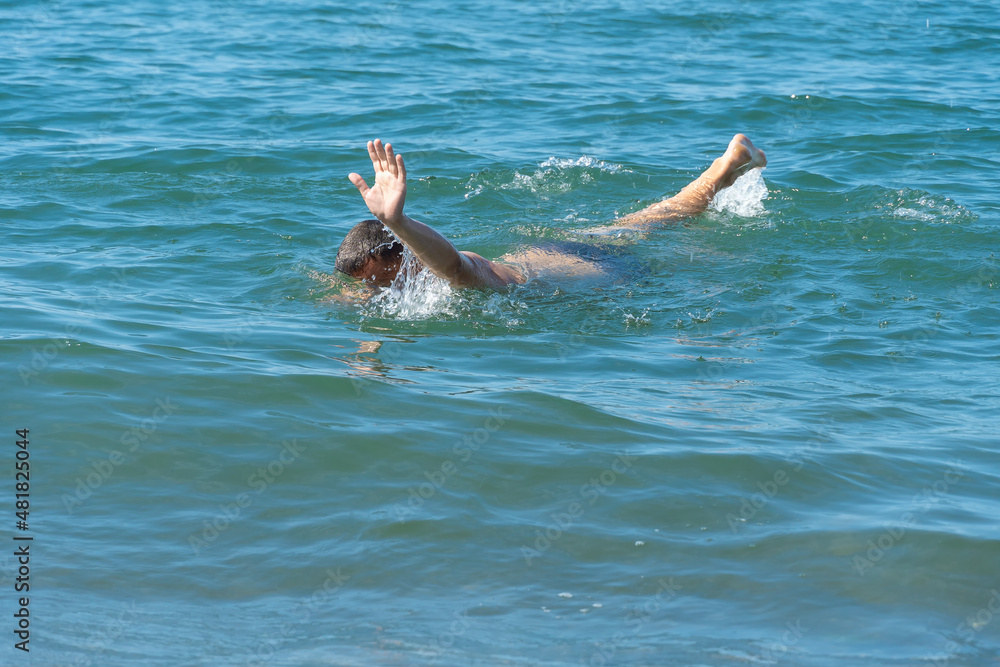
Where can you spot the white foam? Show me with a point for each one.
(414, 295)
(744, 197)
(926, 209)
(550, 177)
(916, 215)
(583, 161)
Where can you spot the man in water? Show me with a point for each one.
(374, 255)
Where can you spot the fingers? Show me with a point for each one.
(383, 158)
(401, 167)
(383, 161)
(359, 182)
(390, 160)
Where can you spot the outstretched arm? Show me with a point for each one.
(385, 200)
(740, 157)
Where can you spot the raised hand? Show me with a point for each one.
(385, 200)
(386, 197)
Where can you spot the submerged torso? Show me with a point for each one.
(573, 260)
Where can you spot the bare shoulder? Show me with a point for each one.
(477, 271)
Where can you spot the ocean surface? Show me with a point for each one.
(774, 442)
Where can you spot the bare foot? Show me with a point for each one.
(694, 198)
(739, 158)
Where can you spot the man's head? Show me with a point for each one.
(371, 253)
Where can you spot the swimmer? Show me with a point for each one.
(373, 255)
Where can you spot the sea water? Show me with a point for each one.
(776, 443)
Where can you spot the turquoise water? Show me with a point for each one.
(776, 443)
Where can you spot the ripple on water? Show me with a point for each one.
(172, 193)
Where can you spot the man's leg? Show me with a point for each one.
(740, 157)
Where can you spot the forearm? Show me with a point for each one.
(385, 200)
(432, 249)
(461, 269)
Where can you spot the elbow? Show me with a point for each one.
(463, 272)
(456, 272)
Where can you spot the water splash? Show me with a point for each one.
(640, 320)
(744, 197)
(504, 309)
(552, 176)
(415, 294)
(930, 209)
(584, 161)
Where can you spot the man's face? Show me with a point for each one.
(379, 272)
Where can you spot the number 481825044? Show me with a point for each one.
(22, 477)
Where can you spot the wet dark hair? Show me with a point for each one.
(367, 239)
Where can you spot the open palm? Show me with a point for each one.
(386, 197)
